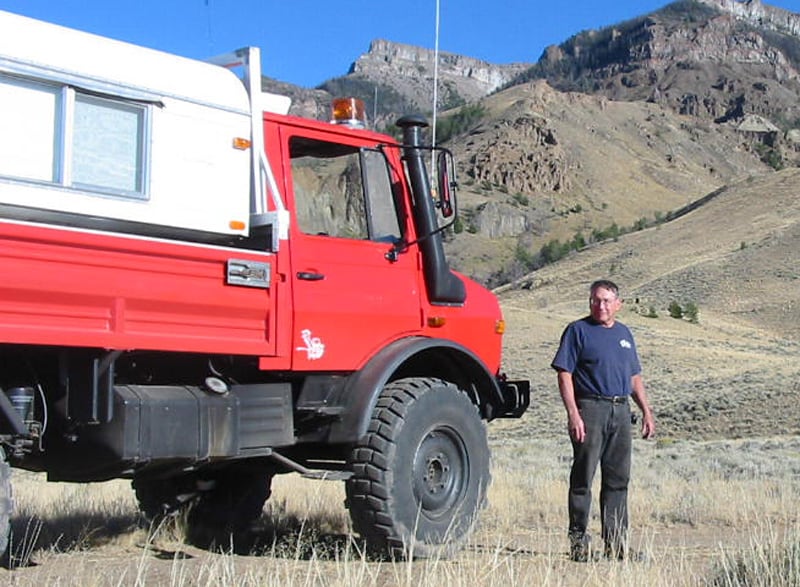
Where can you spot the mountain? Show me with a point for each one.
(547, 168)
(395, 79)
(725, 61)
(612, 131)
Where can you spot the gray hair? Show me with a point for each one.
(605, 284)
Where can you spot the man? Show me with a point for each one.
(598, 370)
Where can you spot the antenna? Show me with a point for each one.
(435, 76)
(209, 30)
(435, 86)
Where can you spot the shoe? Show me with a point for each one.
(579, 548)
(615, 552)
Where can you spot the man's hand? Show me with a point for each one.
(640, 397)
(648, 425)
(577, 430)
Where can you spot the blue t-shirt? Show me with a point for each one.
(602, 360)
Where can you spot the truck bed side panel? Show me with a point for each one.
(83, 288)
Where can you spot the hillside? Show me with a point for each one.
(545, 164)
(734, 373)
(727, 62)
(643, 58)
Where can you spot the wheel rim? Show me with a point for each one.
(440, 472)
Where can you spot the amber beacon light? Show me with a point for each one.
(348, 111)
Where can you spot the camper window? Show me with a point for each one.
(59, 134)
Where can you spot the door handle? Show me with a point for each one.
(310, 276)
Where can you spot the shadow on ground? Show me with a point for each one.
(63, 533)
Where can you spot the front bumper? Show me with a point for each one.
(516, 398)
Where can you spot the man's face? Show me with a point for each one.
(603, 305)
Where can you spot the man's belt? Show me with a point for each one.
(614, 399)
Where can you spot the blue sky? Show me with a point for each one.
(306, 42)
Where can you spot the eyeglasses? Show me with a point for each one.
(602, 301)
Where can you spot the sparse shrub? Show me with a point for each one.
(770, 156)
(466, 117)
(521, 199)
(665, 442)
(675, 310)
(651, 312)
(612, 232)
(690, 312)
(525, 257)
(553, 251)
(452, 98)
(458, 225)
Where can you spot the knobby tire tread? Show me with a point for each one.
(369, 489)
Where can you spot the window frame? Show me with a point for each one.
(366, 155)
(361, 153)
(63, 136)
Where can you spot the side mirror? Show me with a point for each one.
(445, 170)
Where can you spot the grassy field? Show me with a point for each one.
(711, 512)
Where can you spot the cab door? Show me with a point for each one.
(353, 290)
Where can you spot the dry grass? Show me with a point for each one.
(702, 512)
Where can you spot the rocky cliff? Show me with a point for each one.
(759, 14)
(720, 59)
(395, 79)
(410, 70)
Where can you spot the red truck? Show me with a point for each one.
(201, 291)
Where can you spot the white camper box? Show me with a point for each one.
(99, 132)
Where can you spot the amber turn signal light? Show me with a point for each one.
(436, 321)
(348, 111)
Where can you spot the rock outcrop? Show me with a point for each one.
(410, 71)
(714, 59)
(522, 155)
(760, 14)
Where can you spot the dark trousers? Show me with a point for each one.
(608, 442)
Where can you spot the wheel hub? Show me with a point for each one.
(436, 475)
(439, 472)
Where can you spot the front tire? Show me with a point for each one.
(421, 473)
